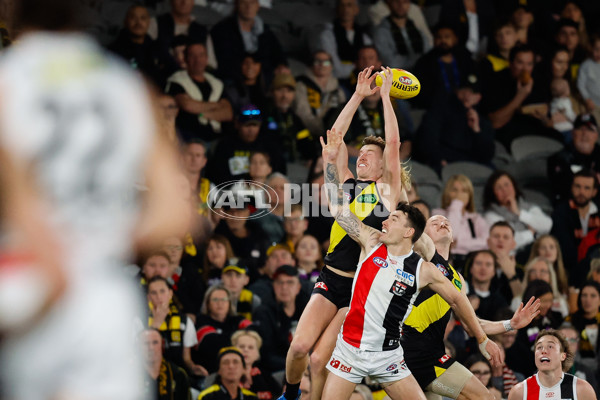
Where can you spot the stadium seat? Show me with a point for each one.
(502, 158)
(532, 147)
(477, 173)
(428, 183)
(538, 198)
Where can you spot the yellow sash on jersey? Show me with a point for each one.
(361, 206)
(432, 309)
(498, 63)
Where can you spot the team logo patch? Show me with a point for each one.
(445, 358)
(345, 369)
(443, 269)
(405, 277)
(334, 363)
(321, 285)
(398, 288)
(403, 365)
(392, 367)
(380, 262)
(367, 198)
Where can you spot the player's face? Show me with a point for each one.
(369, 164)
(395, 228)
(284, 97)
(438, 227)
(590, 300)
(137, 21)
(159, 293)
(231, 368)
(548, 249)
(483, 268)
(548, 354)
(194, 158)
(523, 63)
(501, 240)
(249, 348)
(234, 281)
(539, 270)
(583, 190)
(152, 344)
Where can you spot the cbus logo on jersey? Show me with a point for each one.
(405, 277)
(380, 262)
(398, 288)
(443, 269)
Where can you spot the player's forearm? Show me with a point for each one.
(337, 204)
(392, 131)
(494, 327)
(466, 314)
(343, 121)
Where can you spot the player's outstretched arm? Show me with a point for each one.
(392, 168)
(344, 119)
(520, 319)
(437, 282)
(425, 247)
(516, 393)
(366, 236)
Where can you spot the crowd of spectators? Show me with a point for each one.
(242, 106)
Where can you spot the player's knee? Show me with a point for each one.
(318, 361)
(299, 348)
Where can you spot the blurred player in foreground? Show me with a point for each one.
(388, 279)
(552, 357)
(77, 132)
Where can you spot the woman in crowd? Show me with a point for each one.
(176, 328)
(218, 251)
(250, 89)
(262, 383)
(541, 268)
(470, 230)
(503, 200)
(215, 324)
(587, 320)
(309, 258)
(481, 368)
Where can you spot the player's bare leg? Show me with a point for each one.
(337, 388)
(405, 389)
(317, 315)
(473, 390)
(322, 353)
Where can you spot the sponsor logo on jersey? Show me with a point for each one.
(392, 367)
(380, 262)
(345, 369)
(403, 365)
(443, 269)
(405, 80)
(367, 198)
(457, 283)
(334, 363)
(445, 358)
(405, 277)
(321, 285)
(398, 288)
(549, 395)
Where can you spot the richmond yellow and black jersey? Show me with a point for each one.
(366, 204)
(423, 331)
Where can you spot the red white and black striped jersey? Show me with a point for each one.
(565, 389)
(383, 292)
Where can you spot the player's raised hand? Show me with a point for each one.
(365, 81)
(330, 149)
(387, 77)
(525, 314)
